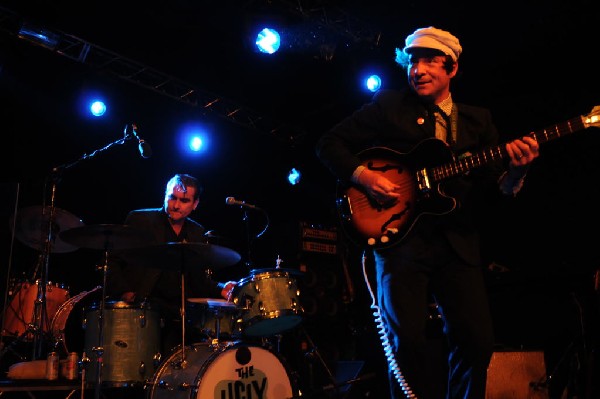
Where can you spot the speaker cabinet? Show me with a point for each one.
(517, 375)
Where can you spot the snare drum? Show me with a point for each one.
(131, 343)
(269, 301)
(226, 370)
(20, 313)
(214, 318)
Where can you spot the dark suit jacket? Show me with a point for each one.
(160, 283)
(400, 121)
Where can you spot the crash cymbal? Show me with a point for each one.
(31, 228)
(181, 256)
(106, 236)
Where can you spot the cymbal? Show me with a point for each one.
(183, 255)
(31, 228)
(213, 303)
(106, 236)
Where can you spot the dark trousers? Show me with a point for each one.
(405, 286)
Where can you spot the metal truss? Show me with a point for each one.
(79, 50)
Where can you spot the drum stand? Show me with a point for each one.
(183, 362)
(99, 350)
(39, 310)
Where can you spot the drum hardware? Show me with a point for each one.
(38, 227)
(131, 342)
(269, 300)
(226, 370)
(215, 318)
(106, 237)
(19, 315)
(182, 256)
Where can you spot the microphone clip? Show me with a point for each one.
(130, 131)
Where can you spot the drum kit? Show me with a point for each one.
(124, 338)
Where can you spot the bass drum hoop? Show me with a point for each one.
(214, 351)
(59, 321)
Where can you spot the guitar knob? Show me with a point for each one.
(385, 239)
(371, 241)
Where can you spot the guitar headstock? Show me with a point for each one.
(593, 118)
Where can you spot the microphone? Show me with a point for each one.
(143, 146)
(242, 204)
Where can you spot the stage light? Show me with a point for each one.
(98, 108)
(194, 139)
(373, 83)
(39, 36)
(268, 41)
(196, 143)
(294, 176)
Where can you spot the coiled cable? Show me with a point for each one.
(383, 335)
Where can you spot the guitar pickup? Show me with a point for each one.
(423, 181)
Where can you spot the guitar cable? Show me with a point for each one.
(383, 335)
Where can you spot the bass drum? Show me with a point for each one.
(227, 370)
(62, 331)
(21, 311)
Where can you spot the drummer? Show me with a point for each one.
(135, 281)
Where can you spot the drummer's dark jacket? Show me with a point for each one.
(130, 270)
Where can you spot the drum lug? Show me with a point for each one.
(142, 320)
(142, 368)
(156, 360)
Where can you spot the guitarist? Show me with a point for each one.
(440, 254)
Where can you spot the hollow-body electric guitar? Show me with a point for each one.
(382, 225)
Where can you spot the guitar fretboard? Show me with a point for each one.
(496, 153)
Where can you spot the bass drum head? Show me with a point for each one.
(228, 370)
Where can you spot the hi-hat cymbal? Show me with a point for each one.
(32, 223)
(181, 256)
(106, 236)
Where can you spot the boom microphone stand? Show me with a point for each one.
(129, 133)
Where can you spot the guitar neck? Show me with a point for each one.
(496, 153)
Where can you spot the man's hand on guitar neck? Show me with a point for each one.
(378, 187)
(522, 151)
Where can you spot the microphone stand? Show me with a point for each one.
(249, 263)
(129, 133)
(246, 219)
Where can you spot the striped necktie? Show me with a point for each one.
(441, 123)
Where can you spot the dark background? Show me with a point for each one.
(532, 63)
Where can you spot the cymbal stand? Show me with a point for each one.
(314, 352)
(183, 361)
(39, 312)
(99, 350)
